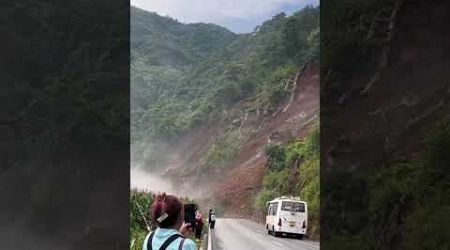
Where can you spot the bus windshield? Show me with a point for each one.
(293, 206)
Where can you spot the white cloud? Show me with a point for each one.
(221, 12)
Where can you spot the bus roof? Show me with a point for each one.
(287, 198)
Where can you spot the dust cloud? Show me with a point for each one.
(150, 181)
(154, 181)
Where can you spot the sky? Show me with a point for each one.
(240, 16)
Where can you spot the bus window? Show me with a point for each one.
(274, 208)
(292, 206)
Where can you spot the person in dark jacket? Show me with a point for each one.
(212, 220)
(209, 216)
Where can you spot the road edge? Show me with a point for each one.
(209, 239)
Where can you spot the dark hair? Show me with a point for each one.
(168, 204)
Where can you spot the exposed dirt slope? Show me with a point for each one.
(241, 185)
(237, 184)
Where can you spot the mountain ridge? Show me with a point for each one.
(193, 83)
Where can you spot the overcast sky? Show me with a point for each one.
(237, 15)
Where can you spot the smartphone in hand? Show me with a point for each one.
(189, 214)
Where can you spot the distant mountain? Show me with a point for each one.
(165, 41)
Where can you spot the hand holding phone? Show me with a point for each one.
(186, 230)
(189, 214)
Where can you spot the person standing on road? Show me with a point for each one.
(212, 219)
(168, 213)
(209, 216)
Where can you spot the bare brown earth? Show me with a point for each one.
(240, 187)
(238, 184)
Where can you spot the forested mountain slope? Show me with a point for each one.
(208, 119)
(162, 51)
(165, 41)
(184, 74)
(385, 181)
(64, 125)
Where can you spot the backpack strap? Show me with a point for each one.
(181, 244)
(149, 241)
(169, 241)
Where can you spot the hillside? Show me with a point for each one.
(386, 93)
(162, 51)
(169, 98)
(225, 163)
(167, 42)
(208, 120)
(64, 126)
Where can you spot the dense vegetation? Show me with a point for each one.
(183, 75)
(140, 202)
(293, 169)
(64, 124)
(345, 49)
(398, 202)
(407, 202)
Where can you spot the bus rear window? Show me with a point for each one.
(292, 206)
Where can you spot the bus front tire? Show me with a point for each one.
(274, 233)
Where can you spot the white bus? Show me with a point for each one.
(287, 215)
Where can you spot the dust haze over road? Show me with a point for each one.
(143, 179)
(155, 181)
(239, 234)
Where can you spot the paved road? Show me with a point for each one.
(233, 234)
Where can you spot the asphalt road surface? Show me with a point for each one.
(238, 234)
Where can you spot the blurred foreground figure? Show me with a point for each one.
(199, 225)
(168, 213)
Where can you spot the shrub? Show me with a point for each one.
(300, 156)
(222, 151)
(276, 157)
(140, 202)
(408, 200)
